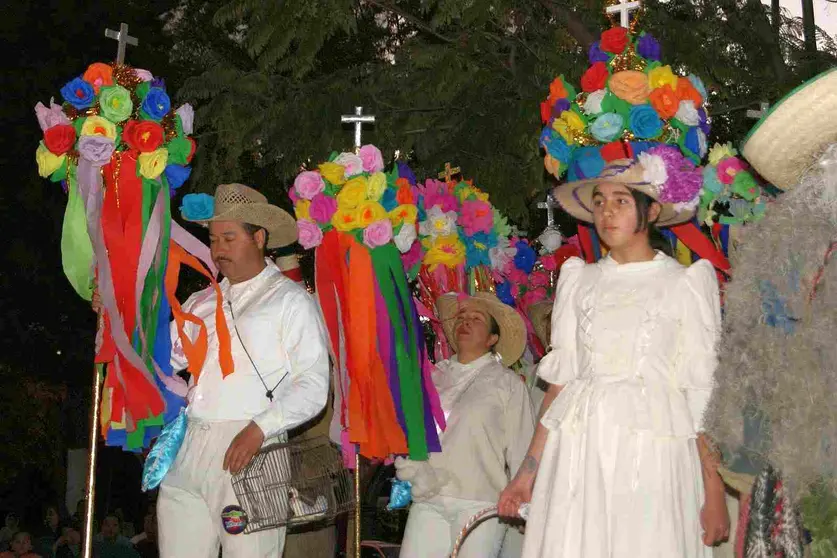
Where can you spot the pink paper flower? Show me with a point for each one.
(378, 233)
(728, 168)
(292, 195)
(436, 193)
(143, 75)
(548, 262)
(476, 216)
(52, 116)
(532, 296)
(517, 276)
(308, 184)
(310, 234)
(372, 159)
(539, 279)
(322, 208)
(412, 256)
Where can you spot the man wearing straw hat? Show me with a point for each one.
(279, 381)
(489, 417)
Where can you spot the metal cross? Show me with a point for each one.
(358, 119)
(757, 114)
(449, 173)
(550, 204)
(123, 38)
(624, 9)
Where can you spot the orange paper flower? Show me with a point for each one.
(97, 75)
(665, 101)
(404, 195)
(686, 92)
(557, 89)
(630, 86)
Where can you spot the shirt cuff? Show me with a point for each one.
(270, 421)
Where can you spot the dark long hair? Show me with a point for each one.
(655, 238)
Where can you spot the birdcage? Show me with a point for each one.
(294, 483)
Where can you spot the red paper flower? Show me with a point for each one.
(595, 77)
(59, 139)
(546, 111)
(144, 136)
(614, 40)
(616, 150)
(191, 151)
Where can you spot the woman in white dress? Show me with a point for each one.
(618, 466)
(489, 423)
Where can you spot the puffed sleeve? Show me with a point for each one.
(701, 319)
(559, 366)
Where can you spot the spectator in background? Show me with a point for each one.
(21, 547)
(9, 530)
(68, 544)
(146, 542)
(50, 531)
(110, 543)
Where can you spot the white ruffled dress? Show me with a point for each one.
(634, 347)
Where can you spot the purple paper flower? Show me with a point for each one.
(648, 47)
(158, 82)
(96, 149)
(560, 106)
(684, 179)
(322, 208)
(703, 121)
(52, 116)
(404, 171)
(596, 54)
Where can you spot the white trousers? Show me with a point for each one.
(193, 495)
(433, 527)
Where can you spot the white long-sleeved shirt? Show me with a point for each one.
(279, 324)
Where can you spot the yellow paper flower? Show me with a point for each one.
(721, 151)
(369, 212)
(660, 76)
(376, 186)
(48, 162)
(352, 194)
(447, 250)
(482, 196)
(151, 165)
(345, 221)
(333, 173)
(407, 213)
(569, 124)
(302, 209)
(98, 126)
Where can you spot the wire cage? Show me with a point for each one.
(293, 483)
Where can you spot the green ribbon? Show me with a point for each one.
(76, 248)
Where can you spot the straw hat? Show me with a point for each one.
(540, 314)
(237, 202)
(795, 131)
(512, 329)
(577, 197)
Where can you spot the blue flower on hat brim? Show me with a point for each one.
(576, 198)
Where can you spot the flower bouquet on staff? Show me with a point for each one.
(362, 222)
(630, 103)
(120, 151)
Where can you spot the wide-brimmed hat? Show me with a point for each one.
(576, 198)
(237, 202)
(794, 132)
(540, 314)
(512, 329)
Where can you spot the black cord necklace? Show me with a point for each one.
(268, 392)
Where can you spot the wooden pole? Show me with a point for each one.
(92, 458)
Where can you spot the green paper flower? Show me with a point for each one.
(115, 103)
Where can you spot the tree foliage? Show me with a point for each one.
(449, 80)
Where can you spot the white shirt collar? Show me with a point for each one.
(228, 289)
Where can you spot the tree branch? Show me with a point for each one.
(572, 22)
(418, 22)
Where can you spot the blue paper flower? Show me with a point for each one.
(559, 149)
(156, 104)
(525, 258)
(710, 180)
(648, 47)
(197, 207)
(588, 163)
(695, 141)
(176, 175)
(78, 93)
(607, 127)
(404, 171)
(644, 122)
(703, 122)
(504, 293)
(421, 214)
(476, 251)
(388, 199)
(596, 54)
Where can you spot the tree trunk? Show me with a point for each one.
(809, 26)
(776, 16)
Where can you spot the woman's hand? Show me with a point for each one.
(519, 490)
(714, 517)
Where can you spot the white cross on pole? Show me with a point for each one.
(624, 9)
(358, 119)
(549, 205)
(123, 38)
(757, 114)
